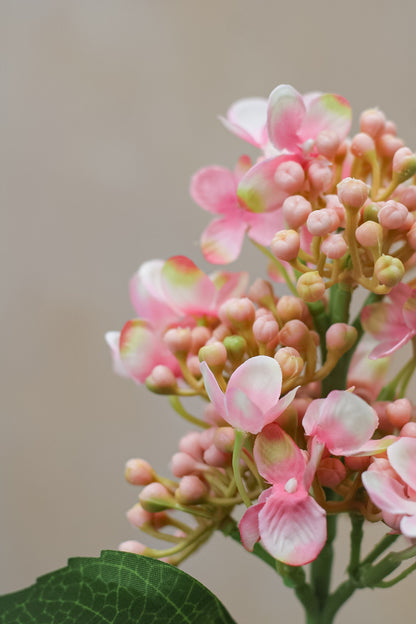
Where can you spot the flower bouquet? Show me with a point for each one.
(300, 419)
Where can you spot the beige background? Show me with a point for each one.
(107, 108)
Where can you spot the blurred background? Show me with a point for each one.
(107, 109)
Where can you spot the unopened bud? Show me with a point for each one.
(357, 464)
(214, 457)
(190, 444)
(261, 292)
(296, 210)
(200, 336)
(191, 491)
(340, 337)
(294, 334)
(139, 472)
(393, 215)
(289, 308)
(404, 163)
(411, 236)
(236, 347)
(327, 143)
(370, 212)
(161, 380)
(265, 329)
(155, 497)
(334, 246)
(183, 464)
(224, 439)
(352, 192)
(372, 121)
(362, 144)
(214, 354)
(408, 430)
(290, 362)
(407, 196)
(290, 177)
(331, 471)
(369, 234)
(399, 412)
(178, 340)
(389, 270)
(132, 546)
(322, 222)
(238, 312)
(311, 286)
(139, 517)
(320, 176)
(285, 245)
(388, 144)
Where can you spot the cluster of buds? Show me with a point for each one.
(298, 422)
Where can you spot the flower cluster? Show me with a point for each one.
(298, 419)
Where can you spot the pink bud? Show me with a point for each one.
(290, 307)
(139, 517)
(388, 144)
(296, 210)
(411, 236)
(214, 457)
(352, 192)
(322, 222)
(221, 332)
(191, 491)
(311, 286)
(320, 176)
(132, 546)
(294, 334)
(224, 439)
(399, 412)
(285, 245)
(369, 234)
(238, 312)
(161, 380)
(193, 363)
(265, 329)
(206, 437)
(214, 354)
(362, 144)
(139, 472)
(334, 246)
(390, 127)
(261, 291)
(340, 337)
(372, 121)
(190, 444)
(389, 270)
(408, 430)
(155, 497)
(183, 464)
(327, 143)
(290, 362)
(331, 471)
(290, 177)
(357, 464)
(199, 336)
(404, 163)
(407, 196)
(392, 215)
(178, 339)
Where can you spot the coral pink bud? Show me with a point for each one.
(199, 337)
(285, 245)
(331, 471)
(357, 464)
(290, 362)
(320, 176)
(407, 196)
(311, 286)
(352, 192)
(369, 234)
(294, 334)
(388, 144)
(221, 332)
(238, 312)
(183, 464)
(139, 517)
(290, 307)
(327, 143)
(161, 380)
(178, 340)
(192, 363)
(261, 292)
(139, 472)
(212, 416)
(224, 439)
(390, 127)
(190, 444)
(132, 546)
(411, 236)
(404, 163)
(334, 246)
(362, 144)
(340, 337)
(296, 210)
(392, 215)
(408, 430)
(399, 412)
(290, 176)
(265, 330)
(389, 270)
(155, 497)
(191, 491)
(214, 457)
(333, 203)
(322, 222)
(214, 354)
(373, 122)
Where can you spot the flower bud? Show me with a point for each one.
(404, 163)
(155, 497)
(265, 329)
(139, 472)
(183, 464)
(362, 144)
(290, 177)
(399, 412)
(285, 245)
(411, 236)
(296, 210)
(214, 354)
(322, 222)
(214, 457)
(408, 430)
(238, 312)
(340, 337)
(236, 347)
(369, 234)
(199, 337)
(261, 292)
(290, 307)
(178, 340)
(133, 546)
(372, 122)
(190, 444)
(388, 144)
(392, 215)
(334, 246)
(290, 362)
(331, 471)
(407, 196)
(224, 439)
(352, 192)
(370, 212)
(320, 176)
(191, 491)
(389, 270)
(139, 517)
(327, 143)
(310, 286)
(294, 334)
(161, 380)
(357, 464)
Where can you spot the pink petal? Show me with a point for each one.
(214, 189)
(408, 526)
(409, 314)
(222, 240)
(285, 116)
(147, 296)
(260, 379)
(280, 406)
(387, 493)
(292, 528)
(229, 284)
(258, 191)
(344, 422)
(215, 394)
(186, 287)
(242, 413)
(247, 119)
(277, 457)
(389, 346)
(402, 456)
(112, 338)
(249, 527)
(374, 447)
(327, 112)
(265, 225)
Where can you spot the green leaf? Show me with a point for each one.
(116, 588)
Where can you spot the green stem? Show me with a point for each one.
(339, 306)
(238, 446)
(279, 266)
(356, 538)
(398, 578)
(179, 409)
(379, 548)
(321, 568)
(321, 324)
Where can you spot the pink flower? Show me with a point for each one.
(393, 323)
(167, 294)
(392, 486)
(252, 398)
(290, 523)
